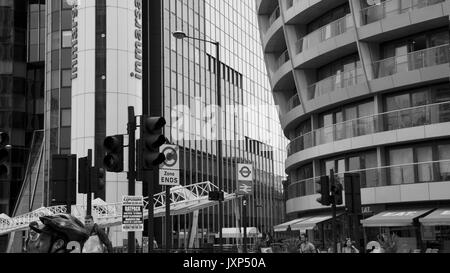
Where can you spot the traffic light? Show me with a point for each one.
(4, 153)
(152, 139)
(324, 191)
(353, 193)
(113, 160)
(83, 172)
(216, 196)
(98, 179)
(337, 191)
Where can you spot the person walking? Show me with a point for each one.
(349, 247)
(98, 240)
(32, 239)
(305, 245)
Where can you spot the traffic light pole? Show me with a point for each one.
(149, 177)
(219, 141)
(131, 168)
(244, 220)
(333, 207)
(168, 224)
(89, 179)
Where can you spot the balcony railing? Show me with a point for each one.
(391, 8)
(412, 173)
(412, 61)
(274, 16)
(293, 102)
(284, 57)
(330, 84)
(395, 120)
(324, 33)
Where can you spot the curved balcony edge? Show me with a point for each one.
(434, 191)
(427, 132)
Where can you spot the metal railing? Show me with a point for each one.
(293, 102)
(324, 33)
(391, 8)
(412, 61)
(388, 121)
(274, 16)
(422, 172)
(330, 84)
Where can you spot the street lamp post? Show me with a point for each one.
(181, 35)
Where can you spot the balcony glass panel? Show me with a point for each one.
(395, 120)
(423, 172)
(330, 84)
(293, 102)
(412, 61)
(324, 33)
(391, 8)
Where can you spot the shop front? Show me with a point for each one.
(397, 231)
(436, 231)
(320, 230)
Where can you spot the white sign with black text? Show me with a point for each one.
(132, 214)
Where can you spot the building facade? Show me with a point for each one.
(363, 87)
(22, 77)
(186, 78)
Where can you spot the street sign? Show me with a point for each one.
(245, 188)
(169, 172)
(245, 172)
(132, 214)
(245, 179)
(172, 153)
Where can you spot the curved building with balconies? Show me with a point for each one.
(363, 87)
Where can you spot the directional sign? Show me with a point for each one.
(169, 172)
(245, 172)
(132, 214)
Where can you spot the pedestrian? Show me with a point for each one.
(349, 247)
(305, 245)
(98, 240)
(60, 233)
(32, 239)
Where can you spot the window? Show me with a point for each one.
(66, 117)
(401, 172)
(66, 39)
(66, 79)
(444, 155)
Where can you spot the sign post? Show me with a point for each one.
(169, 176)
(245, 188)
(133, 214)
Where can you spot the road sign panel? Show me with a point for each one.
(132, 214)
(172, 153)
(169, 177)
(245, 188)
(245, 172)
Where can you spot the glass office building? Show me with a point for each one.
(364, 88)
(79, 60)
(188, 73)
(22, 77)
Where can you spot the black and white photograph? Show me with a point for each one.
(228, 134)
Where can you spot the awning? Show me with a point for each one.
(440, 217)
(285, 226)
(234, 233)
(394, 218)
(310, 223)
